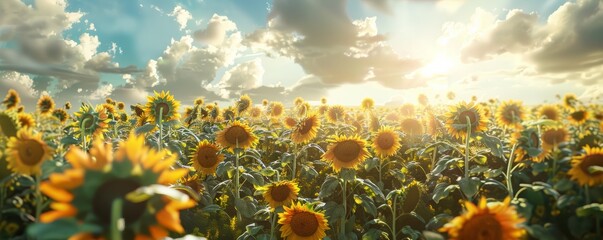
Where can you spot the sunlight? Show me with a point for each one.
(441, 64)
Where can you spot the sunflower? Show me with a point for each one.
(570, 100)
(93, 120)
(335, 113)
(20, 109)
(549, 111)
(265, 102)
(510, 114)
(163, 103)
(88, 190)
(456, 119)
(300, 222)
(323, 100)
(553, 136)
(386, 142)
(121, 106)
(60, 114)
(528, 144)
(392, 117)
(255, 112)
(237, 134)
(579, 117)
(298, 101)
(323, 109)
(199, 101)
(423, 100)
(303, 108)
(345, 152)
(137, 109)
(206, 157)
(26, 120)
(229, 114)
(244, 103)
(45, 104)
(407, 110)
(494, 221)
(9, 125)
(411, 126)
(11, 100)
(434, 125)
(26, 152)
(67, 105)
(280, 193)
(306, 129)
(141, 121)
(276, 109)
(451, 95)
(374, 123)
(109, 100)
(582, 167)
(367, 104)
(290, 122)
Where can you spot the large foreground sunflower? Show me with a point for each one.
(510, 114)
(26, 152)
(346, 152)
(163, 103)
(281, 193)
(386, 142)
(456, 119)
(582, 167)
(481, 222)
(94, 121)
(237, 134)
(206, 157)
(300, 222)
(88, 191)
(306, 129)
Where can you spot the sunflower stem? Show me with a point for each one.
(433, 157)
(343, 218)
(394, 217)
(39, 198)
(467, 146)
(510, 170)
(83, 127)
(236, 180)
(160, 126)
(588, 201)
(116, 219)
(272, 223)
(294, 163)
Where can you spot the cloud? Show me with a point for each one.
(326, 43)
(216, 31)
(181, 15)
(244, 76)
(22, 83)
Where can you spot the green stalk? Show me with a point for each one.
(343, 218)
(39, 198)
(160, 126)
(433, 157)
(294, 163)
(236, 180)
(116, 209)
(83, 127)
(510, 170)
(467, 147)
(597, 220)
(272, 223)
(394, 217)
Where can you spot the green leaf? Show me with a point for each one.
(374, 234)
(246, 206)
(374, 189)
(69, 140)
(442, 190)
(412, 197)
(144, 128)
(367, 204)
(371, 163)
(590, 209)
(328, 187)
(347, 174)
(469, 186)
(253, 229)
(267, 172)
(493, 143)
(212, 208)
(432, 235)
(144, 193)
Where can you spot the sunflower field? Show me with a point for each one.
(168, 170)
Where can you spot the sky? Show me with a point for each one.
(389, 50)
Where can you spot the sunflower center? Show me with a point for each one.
(412, 126)
(578, 115)
(306, 126)
(89, 118)
(31, 152)
(280, 193)
(207, 157)
(236, 134)
(385, 141)
(164, 108)
(535, 139)
(472, 117)
(112, 189)
(45, 105)
(511, 113)
(550, 114)
(347, 151)
(553, 136)
(482, 227)
(304, 224)
(592, 160)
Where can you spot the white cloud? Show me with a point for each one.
(216, 31)
(245, 76)
(181, 15)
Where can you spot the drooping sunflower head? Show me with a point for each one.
(244, 103)
(20, 109)
(486, 221)
(528, 144)
(94, 121)
(281, 193)
(11, 100)
(67, 105)
(229, 114)
(162, 106)
(345, 152)
(60, 114)
(298, 101)
(88, 191)
(423, 100)
(302, 222)
(570, 100)
(26, 120)
(411, 126)
(549, 111)
(386, 142)
(199, 101)
(45, 104)
(303, 109)
(26, 152)
(205, 157)
(306, 129)
(236, 134)
(586, 168)
(407, 110)
(9, 124)
(553, 136)
(579, 116)
(276, 109)
(367, 104)
(336, 114)
(109, 109)
(434, 125)
(462, 114)
(137, 109)
(510, 114)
